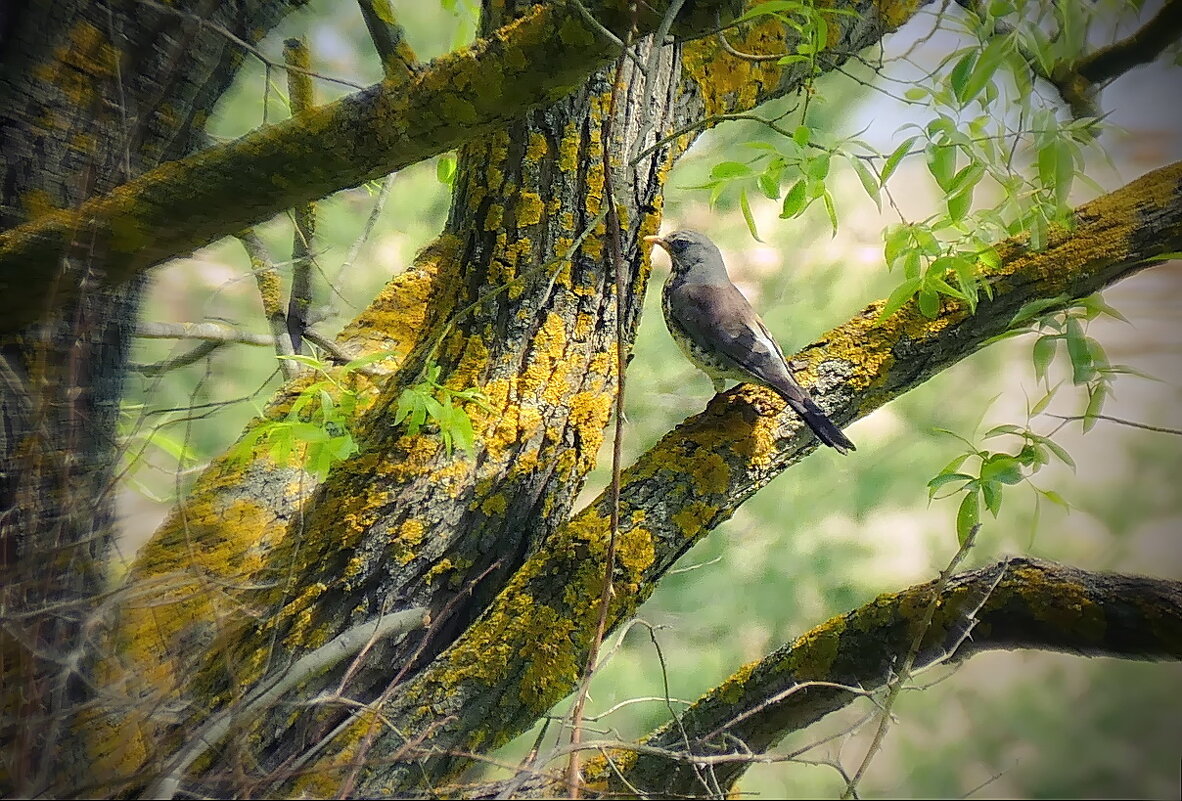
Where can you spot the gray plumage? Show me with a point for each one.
(723, 336)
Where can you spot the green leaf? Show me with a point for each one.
(960, 75)
(1043, 354)
(1064, 171)
(1002, 467)
(748, 216)
(897, 239)
(912, 263)
(955, 464)
(827, 199)
(945, 478)
(967, 517)
(1096, 302)
(801, 135)
(916, 93)
(1055, 498)
(795, 200)
(445, 170)
(818, 167)
(727, 170)
(941, 163)
(991, 58)
(968, 177)
(1059, 452)
(997, 431)
(929, 303)
(1082, 369)
(769, 179)
(1043, 402)
(991, 492)
(896, 157)
(899, 297)
(959, 205)
(1096, 397)
(869, 182)
(1036, 225)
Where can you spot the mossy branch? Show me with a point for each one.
(1017, 603)
(459, 98)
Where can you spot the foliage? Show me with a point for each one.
(317, 423)
(431, 403)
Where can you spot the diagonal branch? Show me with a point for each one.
(1017, 603)
(459, 98)
(399, 62)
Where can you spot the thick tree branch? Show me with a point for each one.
(1015, 604)
(459, 98)
(1141, 48)
(1018, 603)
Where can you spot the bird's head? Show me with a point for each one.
(692, 254)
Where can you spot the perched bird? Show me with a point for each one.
(723, 336)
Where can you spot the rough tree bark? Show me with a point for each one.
(262, 567)
(91, 95)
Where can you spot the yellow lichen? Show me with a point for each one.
(692, 518)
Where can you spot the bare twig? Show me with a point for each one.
(367, 230)
(209, 330)
(398, 59)
(343, 645)
(266, 275)
(230, 36)
(904, 672)
(1119, 420)
(185, 359)
(617, 255)
(299, 87)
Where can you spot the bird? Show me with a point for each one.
(722, 335)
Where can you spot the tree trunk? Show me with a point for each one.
(91, 95)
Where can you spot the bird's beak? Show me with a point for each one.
(656, 240)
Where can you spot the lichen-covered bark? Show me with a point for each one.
(91, 95)
(1017, 603)
(533, 60)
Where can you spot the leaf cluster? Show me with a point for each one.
(431, 403)
(318, 423)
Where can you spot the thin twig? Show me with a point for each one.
(573, 778)
(230, 36)
(266, 276)
(343, 645)
(209, 330)
(299, 88)
(184, 360)
(367, 230)
(398, 60)
(1121, 421)
(904, 672)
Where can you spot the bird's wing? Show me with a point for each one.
(720, 320)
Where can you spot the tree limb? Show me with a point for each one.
(1018, 603)
(460, 97)
(399, 61)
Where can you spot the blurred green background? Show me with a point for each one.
(832, 532)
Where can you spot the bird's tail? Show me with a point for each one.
(825, 429)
